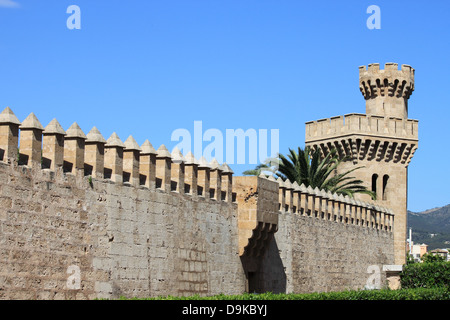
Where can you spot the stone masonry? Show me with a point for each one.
(84, 217)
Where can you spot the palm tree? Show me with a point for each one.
(257, 171)
(311, 169)
(270, 165)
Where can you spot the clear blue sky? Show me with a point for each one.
(147, 68)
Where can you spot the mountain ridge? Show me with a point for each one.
(431, 226)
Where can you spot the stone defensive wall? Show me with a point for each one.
(83, 217)
(321, 241)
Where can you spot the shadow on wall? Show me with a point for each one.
(265, 273)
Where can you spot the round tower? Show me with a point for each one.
(386, 91)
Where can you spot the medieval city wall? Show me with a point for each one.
(126, 241)
(133, 242)
(322, 243)
(82, 217)
(313, 255)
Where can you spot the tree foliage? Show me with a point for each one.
(308, 167)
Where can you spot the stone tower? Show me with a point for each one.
(382, 141)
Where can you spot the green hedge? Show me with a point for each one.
(419, 281)
(426, 275)
(385, 294)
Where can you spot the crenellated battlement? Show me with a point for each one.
(356, 123)
(386, 91)
(390, 69)
(73, 152)
(388, 82)
(365, 136)
(324, 205)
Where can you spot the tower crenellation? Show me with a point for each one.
(386, 91)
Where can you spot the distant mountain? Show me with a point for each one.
(431, 227)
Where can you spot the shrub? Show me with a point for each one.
(384, 294)
(426, 275)
(430, 257)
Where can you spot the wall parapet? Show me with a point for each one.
(91, 155)
(324, 205)
(361, 124)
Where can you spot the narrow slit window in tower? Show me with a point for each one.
(374, 182)
(385, 182)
